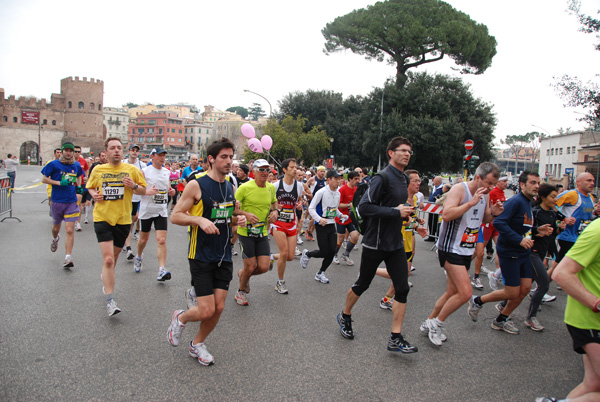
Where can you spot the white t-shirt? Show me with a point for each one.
(152, 206)
(140, 165)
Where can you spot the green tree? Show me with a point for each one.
(410, 33)
(518, 142)
(572, 90)
(292, 140)
(255, 111)
(130, 105)
(242, 111)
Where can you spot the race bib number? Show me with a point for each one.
(469, 238)
(70, 177)
(223, 210)
(113, 191)
(256, 230)
(330, 213)
(173, 182)
(161, 197)
(582, 225)
(411, 225)
(286, 215)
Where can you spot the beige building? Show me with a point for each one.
(116, 120)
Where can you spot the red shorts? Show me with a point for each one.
(289, 230)
(489, 231)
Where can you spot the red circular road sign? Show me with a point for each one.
(469, 145)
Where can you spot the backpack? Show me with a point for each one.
(358, 221)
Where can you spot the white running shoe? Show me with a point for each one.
(299, 241)
(163, 275)
(86, 220)
(77, 226)
(346, 260)
(280, 287)
(493, 281)
(241, 298)
(476, 283)
(336, 261)
(137, 264)
(68, 263)
(54, 244)
(297, 252)
(190, 298)
(434, 332)
(304, 259)
(111, 307)
(136, 235)
(175, 329)
(320, 277)
(548, 298)
(199, 351)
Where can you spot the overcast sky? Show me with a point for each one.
(202, 53)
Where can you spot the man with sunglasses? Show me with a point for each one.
(259, 205)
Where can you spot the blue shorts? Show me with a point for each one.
(480, 236)
(514, 269)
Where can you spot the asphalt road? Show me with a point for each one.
(57, 343)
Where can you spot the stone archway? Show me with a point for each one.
(29, 149)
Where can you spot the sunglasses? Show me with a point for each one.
(263, 169)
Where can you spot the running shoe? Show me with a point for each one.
(558, 287)
(136, 235)
(271, 262)
(410, 284)
(299, 241)
(413, 268)
(297, 252)
(435, 332)
(507, 326)
(199, 351)
(111, 307)
(401, 345)
(534, 324)
(489, 255)
(163, 275)
(493, 281)
(346, 259)
(233, 252)
(68, 263)
(175, 329)
(336, 261)
(320, 277)
(241, 298)
(86, 220)
(386, 305)
(500, 307)
(548, 299)
(190, 298)
(77, 226)
(425, 330)
(476, 283)
(484, 270)
(345, 326)
(54, 244)
(137, 264)
(345, 243)
(130, 255)
(304, 259)
(247, 289)
(281, 288)
(473, 310)
(309, 236)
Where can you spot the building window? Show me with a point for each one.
(4, 118)
(15, 120)
(54, 122)
(99, 107)
(179, 139)
(92, 106)
(573, 150)
(568, 150)
(80, 105)
(180, 131)
(559, 169)
(160, 130)
(561, 152)
(45, 121)
(70, 104)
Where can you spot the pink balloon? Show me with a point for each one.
(255, 145)
(248, 130)
(266, 141)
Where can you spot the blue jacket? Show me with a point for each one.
(513, 224)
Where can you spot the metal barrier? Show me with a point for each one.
(6, 199)
(433, 214)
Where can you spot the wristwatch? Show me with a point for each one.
(135, 187)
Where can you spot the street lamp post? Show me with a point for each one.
(331, 147)
(270, 107)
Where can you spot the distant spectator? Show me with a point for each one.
(11, 163)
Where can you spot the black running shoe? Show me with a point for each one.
(401, 345)
(345, 326)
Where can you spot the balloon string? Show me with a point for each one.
(274, 160)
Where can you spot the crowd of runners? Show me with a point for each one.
(540, 234)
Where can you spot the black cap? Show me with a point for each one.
(245, 168)
(332, 173)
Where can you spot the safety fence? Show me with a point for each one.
(6, 199)
(432, 213)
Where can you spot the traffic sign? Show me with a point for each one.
(469, 145)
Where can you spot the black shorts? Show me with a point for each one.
(117, 234)
(254, 246)
(299, 213)
(582, 337)
(135, 207)
(565, 246)
(409, 256)
(160, 223)
(454, 259)
(86, 196)
(341, 229)
(207, 276)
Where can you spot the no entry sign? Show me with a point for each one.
(469, 145)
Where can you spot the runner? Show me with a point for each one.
(133, 160)
(346, 194)
(64, 175)
(80, 188)
(259, 206)
(324, 209)
(466, 207)
(315, 183)
(153, 210)
(112, 186)
(384, 209)
(285, 229)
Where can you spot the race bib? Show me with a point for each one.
(469, 238)
(113, 191)
(286, 215)
(173, 182)
(330, 213)
(161, 197)
(411, 226)
(223, 210)
(71, 177)
(256, 230)
(582, 225)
